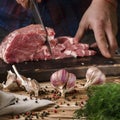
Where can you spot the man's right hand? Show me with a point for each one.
(24, 3)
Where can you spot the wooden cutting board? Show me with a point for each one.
(42, 70)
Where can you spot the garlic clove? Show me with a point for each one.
(71, 82)
(59, 78)
(63, 81)
(94, 76)
(99, 79)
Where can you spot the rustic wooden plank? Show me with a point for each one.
(67, 106)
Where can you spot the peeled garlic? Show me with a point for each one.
(94, 76)
(63, 81)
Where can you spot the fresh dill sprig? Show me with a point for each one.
(103, 103)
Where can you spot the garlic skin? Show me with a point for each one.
(59, 78)
(94, 76)
(11, 83)
(34, 87)
(63, 81)
(30, 85)
(71, 82)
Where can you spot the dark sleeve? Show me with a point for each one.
(63, 15)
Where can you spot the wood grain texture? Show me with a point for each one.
(67, 106)
(42, 70)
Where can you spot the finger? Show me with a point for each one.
(18, 1)
(101, 40)
(93, 45)
(75, 40)
(23, 3)
(112, 41)
(80, 32)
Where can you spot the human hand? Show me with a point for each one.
(24, 3)
(101, 17)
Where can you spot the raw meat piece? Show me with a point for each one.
(65, 47)
(22, 44)
(28, 44)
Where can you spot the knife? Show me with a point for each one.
(36, 14)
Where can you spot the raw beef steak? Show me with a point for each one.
(28, 44)
(25, 44)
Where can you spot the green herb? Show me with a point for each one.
(103, 103)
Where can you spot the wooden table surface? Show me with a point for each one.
(64, 108)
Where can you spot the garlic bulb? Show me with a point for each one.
(30, 85)
(63, 81)
(94, 76)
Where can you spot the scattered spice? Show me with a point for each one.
(27, 113)
(25, 99)
(17, 116)
(76, 104)
(52, 91)
(68, 104)
(36, 101)
(17, 99)
(23, 114)
(73, 97)
(55, 111)
(30, 96)
(37, 115)
(57, 106)
(68, 99)
(44, 114)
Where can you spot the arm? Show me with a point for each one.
(101, 17)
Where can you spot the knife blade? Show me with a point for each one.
(36, 14)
